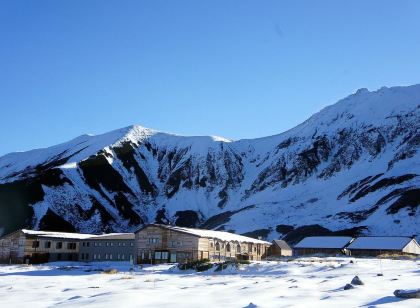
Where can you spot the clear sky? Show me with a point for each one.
(233, 68)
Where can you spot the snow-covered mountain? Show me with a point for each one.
(354, 165)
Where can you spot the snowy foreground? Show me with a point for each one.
(306, 282)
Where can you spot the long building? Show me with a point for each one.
(28, 246)
(158, 243)
(331, 245)
(381, 245)
(108, 247)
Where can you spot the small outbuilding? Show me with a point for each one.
(380, 245)
(331, 245)
(279, 248)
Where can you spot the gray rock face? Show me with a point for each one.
(415, 293)
(357, 281)
(348, 287)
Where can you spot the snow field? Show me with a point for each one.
(304, 282)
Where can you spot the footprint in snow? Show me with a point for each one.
(74, 298)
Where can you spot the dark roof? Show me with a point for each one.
(282, 244)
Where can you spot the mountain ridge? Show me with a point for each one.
(352, 164)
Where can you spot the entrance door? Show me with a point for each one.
(173, 257)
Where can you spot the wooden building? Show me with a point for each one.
(280, 248)
(329, 245)
(28, 246)
(382, 245)
(158, 243)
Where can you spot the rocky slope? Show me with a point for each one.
(354, 165)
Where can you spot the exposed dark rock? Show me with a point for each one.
(284, 229)
(52, 222)
(408, 199)
(188, 219)
(299, 233)
(222, 218)
(161, 217)
(348, 286)
(357, 281)
(382, 184)
(415, 293)
(258, 234)
(126, 153)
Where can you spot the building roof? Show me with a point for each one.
(380, 242)
(282, 244)
(114, 236)
(80, 236)
(66, 235)
(221, 235)
(337, 242)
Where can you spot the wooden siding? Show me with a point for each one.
(177, 246)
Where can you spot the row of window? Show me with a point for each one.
(218, 246)
(58, 245)
(108, 244)
(111, 256)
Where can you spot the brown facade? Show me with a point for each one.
(160, 244)
(19, 247)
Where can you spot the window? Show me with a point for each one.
(112, 244)
(87, 256)
(110, 256)
(211, 244)
(131, 257)
(228, 247)
(35, 244)
(238, 248)
(106, 256)
(123, 257)
(123, 244)
(83, 256)
(59, 245)
(58, 256)
(165, 255)
(71, 246)
(132, 244)
(107, 244)
(88, 244)
(158, 255)
(217, 246)
(249, 247)
(83, 244)
(48, 244)
(151, 241)
(95, 244)
(94, 256)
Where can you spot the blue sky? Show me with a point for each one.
(238, 69)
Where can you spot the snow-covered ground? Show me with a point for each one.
(305, 282)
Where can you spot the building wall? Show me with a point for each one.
(45, 249)
(96, 250)
(275, 250)
(412, 247)
(312, 251)
(160, 245)
(377, 252)
(155, 244)
(12, 248)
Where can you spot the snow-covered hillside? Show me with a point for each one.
(354, 165)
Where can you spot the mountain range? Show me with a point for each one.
(352, 168)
